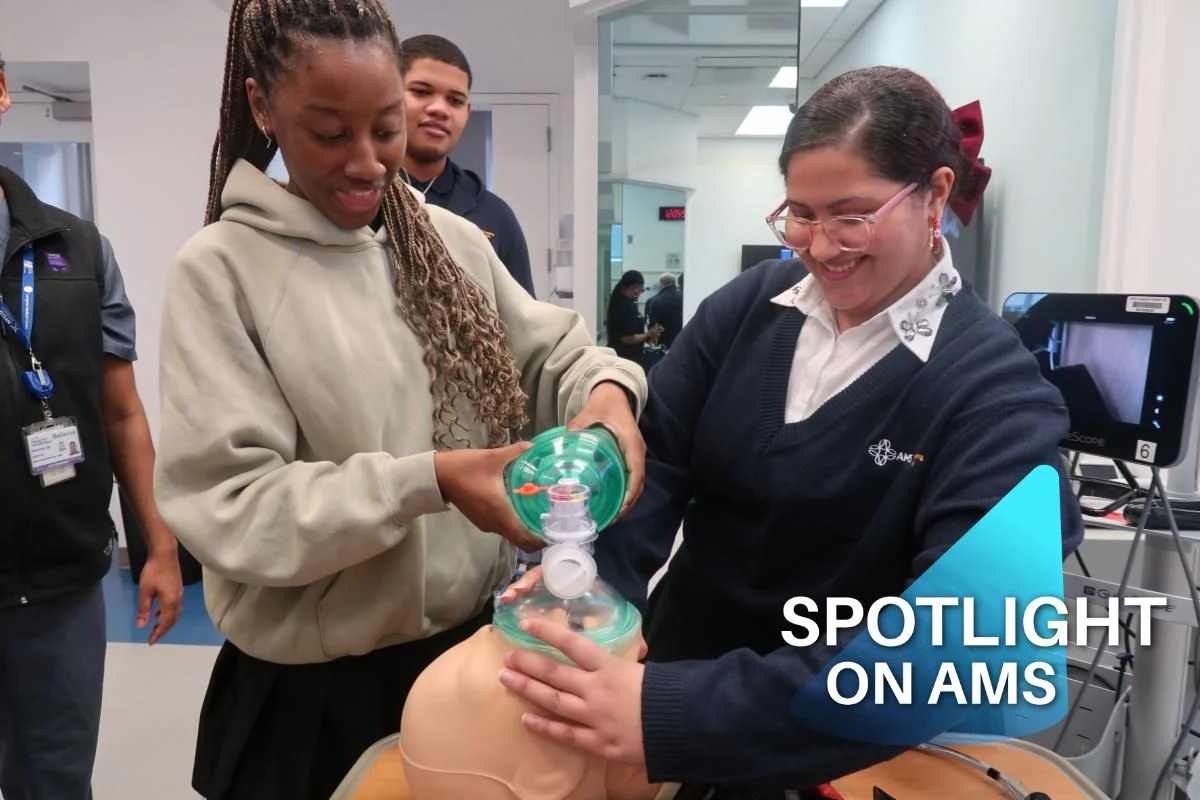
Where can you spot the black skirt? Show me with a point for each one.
(292, 732)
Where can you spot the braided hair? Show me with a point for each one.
(462, 334)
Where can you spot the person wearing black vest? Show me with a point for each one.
(70, 421)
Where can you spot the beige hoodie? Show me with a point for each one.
(295, 457)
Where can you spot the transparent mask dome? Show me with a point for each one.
(600, 614)
(569, 592)
(592, 457)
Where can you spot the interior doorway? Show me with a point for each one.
(510, 140)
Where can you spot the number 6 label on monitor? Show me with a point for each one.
(1145, 451)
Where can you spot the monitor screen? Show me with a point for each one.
(1125, 373)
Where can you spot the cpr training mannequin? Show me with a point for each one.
(462, 737)
(461, 734)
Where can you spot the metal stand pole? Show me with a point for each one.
(1160, 678)
(1160, 692)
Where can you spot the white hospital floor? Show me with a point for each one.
(152, 698)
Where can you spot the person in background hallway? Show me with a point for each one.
(343, 368)
(56, 541)
(438, 80)
(665, 309)
(908, 408)
(626, 327)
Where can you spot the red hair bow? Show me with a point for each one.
(971, 185)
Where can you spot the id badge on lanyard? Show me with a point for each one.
(52, 445)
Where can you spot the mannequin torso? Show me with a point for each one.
(461, 736)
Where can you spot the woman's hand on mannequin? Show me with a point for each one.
(595, 706)
(609, 405)
(473, 482)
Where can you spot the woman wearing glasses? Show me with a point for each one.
(824, 427)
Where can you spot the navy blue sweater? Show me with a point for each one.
(462, 191)
(774, 510)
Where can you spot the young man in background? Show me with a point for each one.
(70, 420)
(438, 80)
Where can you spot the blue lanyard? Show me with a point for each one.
(25, 329)
(36, 380)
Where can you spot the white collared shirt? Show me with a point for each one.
(826, 362)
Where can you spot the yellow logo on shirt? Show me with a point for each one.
(489, 234)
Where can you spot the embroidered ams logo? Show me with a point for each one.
(883, 452)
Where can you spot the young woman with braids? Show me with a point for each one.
(343, 369)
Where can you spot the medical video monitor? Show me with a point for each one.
(1124, 364)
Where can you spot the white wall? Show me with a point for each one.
(1042, 72)
(534, 54)
(737, 185)
(1153, 173)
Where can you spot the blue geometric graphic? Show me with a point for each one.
(1009, 687)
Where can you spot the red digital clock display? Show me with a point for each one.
(672, 213)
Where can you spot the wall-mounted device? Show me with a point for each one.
(672, 213)
(1124, 364)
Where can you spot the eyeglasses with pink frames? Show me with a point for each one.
(851, 233)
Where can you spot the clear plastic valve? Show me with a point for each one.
(569, 591)
(568, 569)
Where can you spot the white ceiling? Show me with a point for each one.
(716, 58)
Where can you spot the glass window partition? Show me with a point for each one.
(679, 81)
(698, 94)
